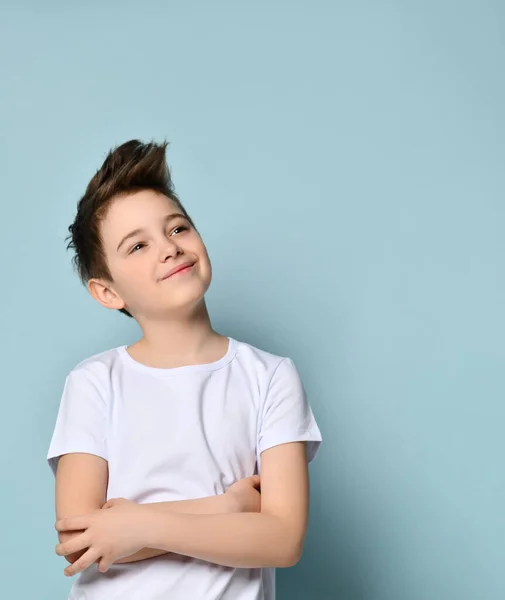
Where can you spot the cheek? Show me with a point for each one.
(196, 246)
(132, 271)
(201, 249)
(205, 261)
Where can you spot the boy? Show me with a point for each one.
(158, 446)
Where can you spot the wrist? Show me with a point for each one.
(150, 524)
(233, 502)
(158, 527)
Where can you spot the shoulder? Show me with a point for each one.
(96, 369)
(257, 357)
(263, 363)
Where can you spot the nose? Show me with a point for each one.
(169, 249)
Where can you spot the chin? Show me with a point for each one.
(185, 300)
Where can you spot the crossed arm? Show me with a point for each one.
(210, 529)
(81, 483)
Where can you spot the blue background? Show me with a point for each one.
(344, 162)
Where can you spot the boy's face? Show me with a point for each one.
(141, 264)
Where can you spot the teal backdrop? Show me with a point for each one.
(344, 162)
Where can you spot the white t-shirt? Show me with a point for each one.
(176, 434)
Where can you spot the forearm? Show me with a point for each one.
(220, 504)
(250, 540)
(143, 554)
(212, 505)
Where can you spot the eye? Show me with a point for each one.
(134, 249)
(180, 228)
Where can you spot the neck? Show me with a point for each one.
(183, 339)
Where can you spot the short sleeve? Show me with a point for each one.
(287, 415)
(81, 423)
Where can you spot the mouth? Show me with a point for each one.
(180, 270)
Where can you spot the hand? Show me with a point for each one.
(245, 494)
(108, 535)
(118, 502)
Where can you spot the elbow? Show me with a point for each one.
(291, 554)
(290, 559)
(291, 541)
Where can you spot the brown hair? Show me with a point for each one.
(131, 167)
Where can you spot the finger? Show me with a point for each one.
(114, 502)
(86, 560)
(72, 523)
(105, 563)
(79, 542)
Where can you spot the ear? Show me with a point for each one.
(102, 292)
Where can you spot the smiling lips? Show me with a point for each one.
(184, 268)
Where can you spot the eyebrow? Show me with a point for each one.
(135, 232)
